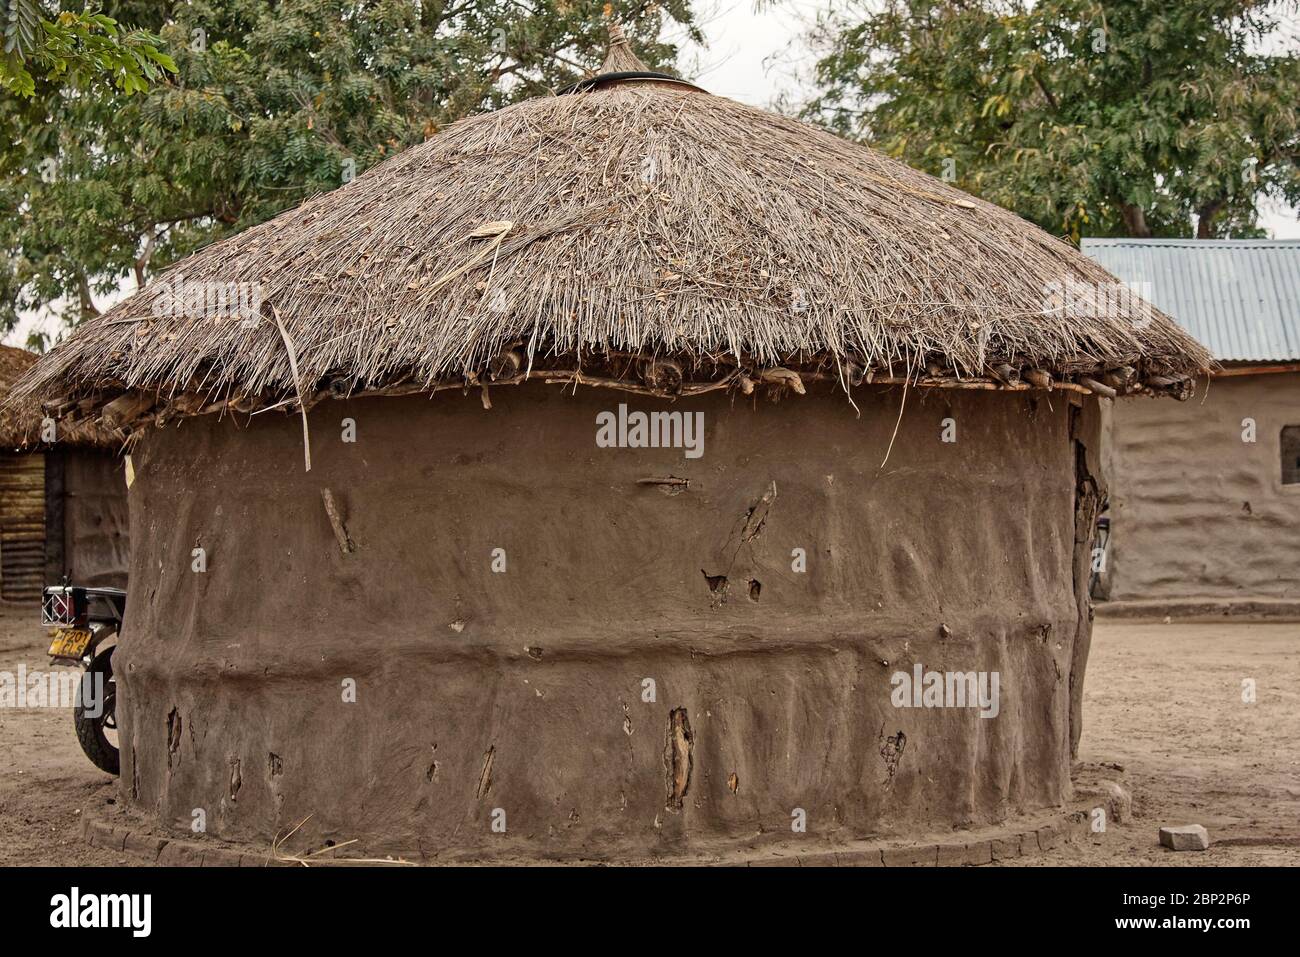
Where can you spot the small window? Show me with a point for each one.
(1291, 455)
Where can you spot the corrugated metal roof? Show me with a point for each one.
(1239, 297)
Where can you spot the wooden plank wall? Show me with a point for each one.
(22, 526)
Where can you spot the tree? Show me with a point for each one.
(1122, 117)
(79, 48)
(272, 103)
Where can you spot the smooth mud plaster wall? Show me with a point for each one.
(525, 692)
(87, 529)
(96, 530)
(1195, 511)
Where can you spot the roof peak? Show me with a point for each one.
(619, 58)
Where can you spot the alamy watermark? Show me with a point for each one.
(1099, 300)
(208, 299)
(74, 909)
(651, 430)
(53, 689)
(947, 689)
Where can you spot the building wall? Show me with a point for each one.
(525, 689)
(96, 526)
(63, 511)
(22, 525)
(1195, 511)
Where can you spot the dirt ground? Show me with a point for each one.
(46, 783)
(1163, 702)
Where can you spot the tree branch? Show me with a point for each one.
(1205, 217)
(88, 310)
(1046, 92)
(1135, 218)
(142, 261)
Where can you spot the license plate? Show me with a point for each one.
(69, 643)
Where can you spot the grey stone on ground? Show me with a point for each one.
(1189, 837)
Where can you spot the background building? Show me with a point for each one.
(1205, 494)
(63, 505)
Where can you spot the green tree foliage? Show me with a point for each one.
(272, 102)
(1121, 117)
(78, 48)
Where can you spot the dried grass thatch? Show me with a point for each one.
(20, 421)
(577, 236)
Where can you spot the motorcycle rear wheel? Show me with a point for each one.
(93, 731)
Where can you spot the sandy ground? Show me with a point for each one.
(1163, 701)
(46, 783)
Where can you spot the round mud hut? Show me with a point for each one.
(596, 480)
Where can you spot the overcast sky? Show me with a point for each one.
(755, 56)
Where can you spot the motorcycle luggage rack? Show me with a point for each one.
(75, 606)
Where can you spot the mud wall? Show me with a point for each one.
(96, 528)
(641, 669)
(1196, 512)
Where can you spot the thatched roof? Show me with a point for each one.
(629, 219)
(20, 421)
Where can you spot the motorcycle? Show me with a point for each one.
(86, 623)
